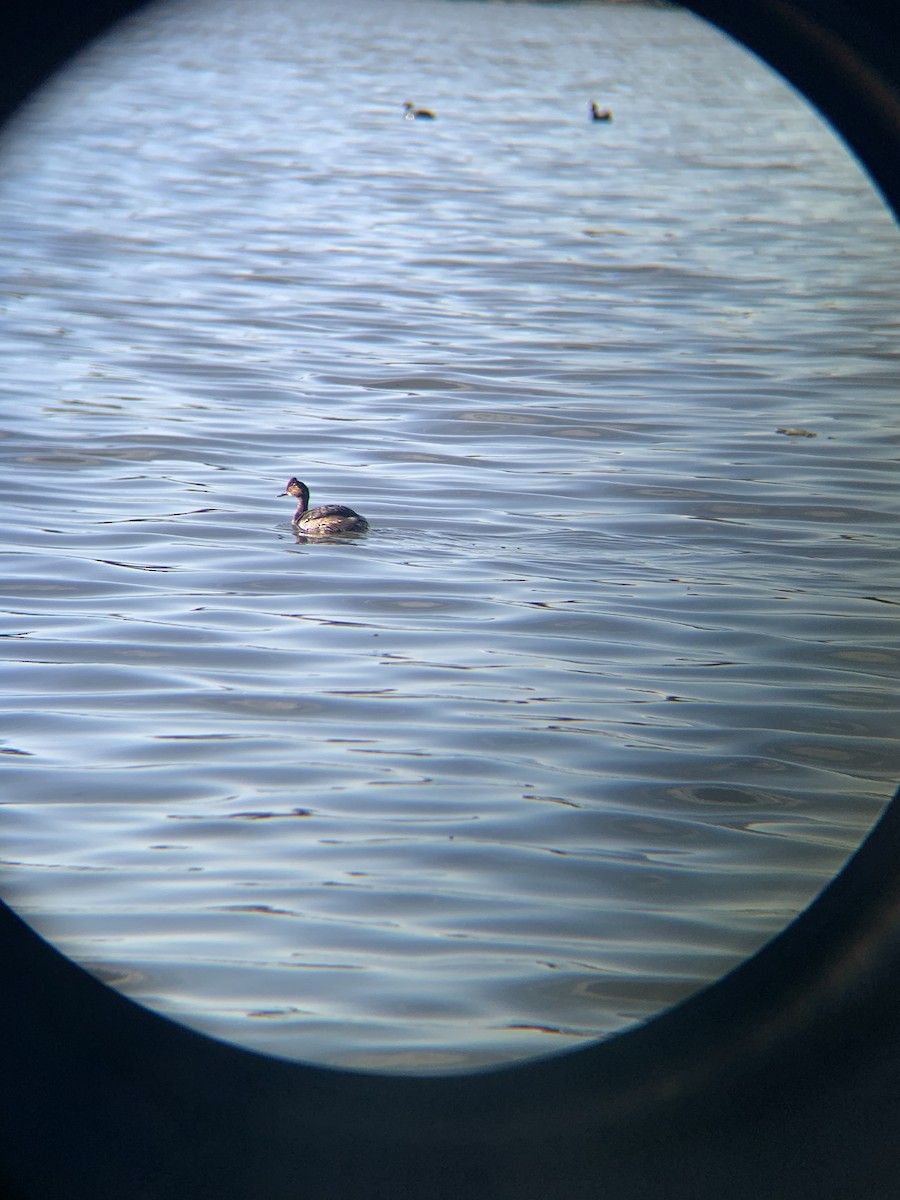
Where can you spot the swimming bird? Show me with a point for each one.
(417, 114)
(324, 520)
(599, 114)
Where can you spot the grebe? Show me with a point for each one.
(599, 114)
(417, 114)
(322, 521)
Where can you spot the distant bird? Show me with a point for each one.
(417, 114)
(600, 114)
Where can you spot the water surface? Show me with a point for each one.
(605, 696)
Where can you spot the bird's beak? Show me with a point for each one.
(282, 493)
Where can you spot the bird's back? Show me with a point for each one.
(331, 518)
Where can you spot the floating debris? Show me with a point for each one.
(791, 431)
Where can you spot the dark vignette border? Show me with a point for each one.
(782, 1080)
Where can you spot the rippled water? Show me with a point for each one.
(605, 696)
